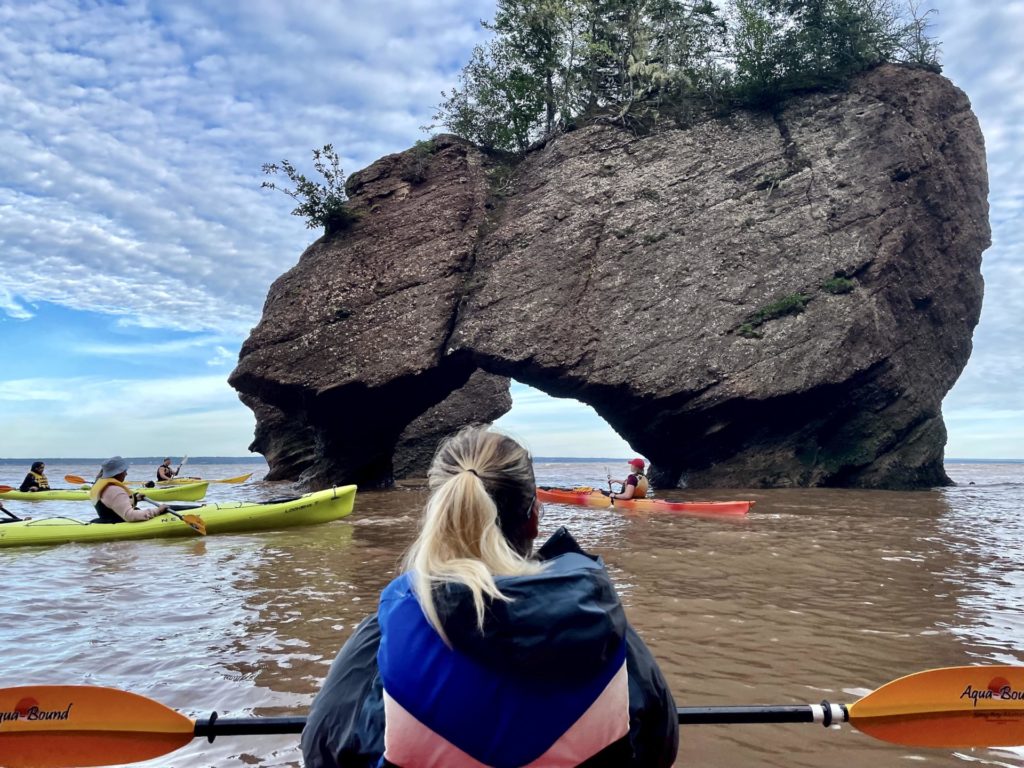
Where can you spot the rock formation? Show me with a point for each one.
(769, 299)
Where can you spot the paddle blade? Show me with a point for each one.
(6, 488)
(196, 523)
(75, 479)
(58, 726)
(952, 707)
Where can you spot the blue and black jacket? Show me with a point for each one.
(557, 677)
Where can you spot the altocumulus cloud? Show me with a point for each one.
(134, 135)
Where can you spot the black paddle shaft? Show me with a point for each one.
(214, 726)
(787, 713)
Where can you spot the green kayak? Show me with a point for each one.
(190, 492)
(228, 517)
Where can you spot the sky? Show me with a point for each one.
(137, 247)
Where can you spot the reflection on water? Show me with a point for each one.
(818, 594)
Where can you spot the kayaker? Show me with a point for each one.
(113, 500)
(35, 480)
(164, 471)
(635, 484)
(481, 653)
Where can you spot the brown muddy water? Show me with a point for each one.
(818, 594)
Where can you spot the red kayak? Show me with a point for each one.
(588, 497)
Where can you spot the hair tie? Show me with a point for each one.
(470, 470)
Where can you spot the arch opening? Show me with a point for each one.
(559, 427)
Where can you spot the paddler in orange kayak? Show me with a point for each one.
(634, 486)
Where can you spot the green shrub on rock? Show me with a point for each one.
(322, 205)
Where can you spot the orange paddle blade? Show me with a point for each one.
(952, 707)
(6, 488)
(195, 522)
(75, 480)
(58, 726)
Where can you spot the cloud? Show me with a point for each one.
(551, 426)
(224, 357)
(12, 307)
(134, 135)
(98, 416)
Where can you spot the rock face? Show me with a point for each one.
(773, 299)
(480, 401)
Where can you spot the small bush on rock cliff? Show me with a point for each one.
(322, 205)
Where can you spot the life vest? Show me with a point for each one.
(642, 484)
(41, 481)
(446, 709)
(170, 473)
(105, 512)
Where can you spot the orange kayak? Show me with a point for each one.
(588, 497)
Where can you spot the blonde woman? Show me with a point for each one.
(482, 654)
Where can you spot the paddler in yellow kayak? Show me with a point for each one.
(113, 499)
(165, 473)
(634, 486)
(35, 480)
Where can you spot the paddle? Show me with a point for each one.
(181, 465)
(195, 522)
(14, 517)
(77, 725)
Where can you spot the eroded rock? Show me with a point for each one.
(650, 277)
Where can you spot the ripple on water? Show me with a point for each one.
(819, 593)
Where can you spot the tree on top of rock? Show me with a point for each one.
(554, 63)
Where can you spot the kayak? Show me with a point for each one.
(227, 517)
(190, 492)
(588, 497)
(187, 480)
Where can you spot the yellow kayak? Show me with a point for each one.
(190, 492)
(187, 480)
(228, 517)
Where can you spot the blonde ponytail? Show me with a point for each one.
(482, 497)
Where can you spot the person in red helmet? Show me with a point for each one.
(635, 484)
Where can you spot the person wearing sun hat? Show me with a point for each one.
(635, 485)
(113, 500)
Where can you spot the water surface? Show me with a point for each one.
(818, 594)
